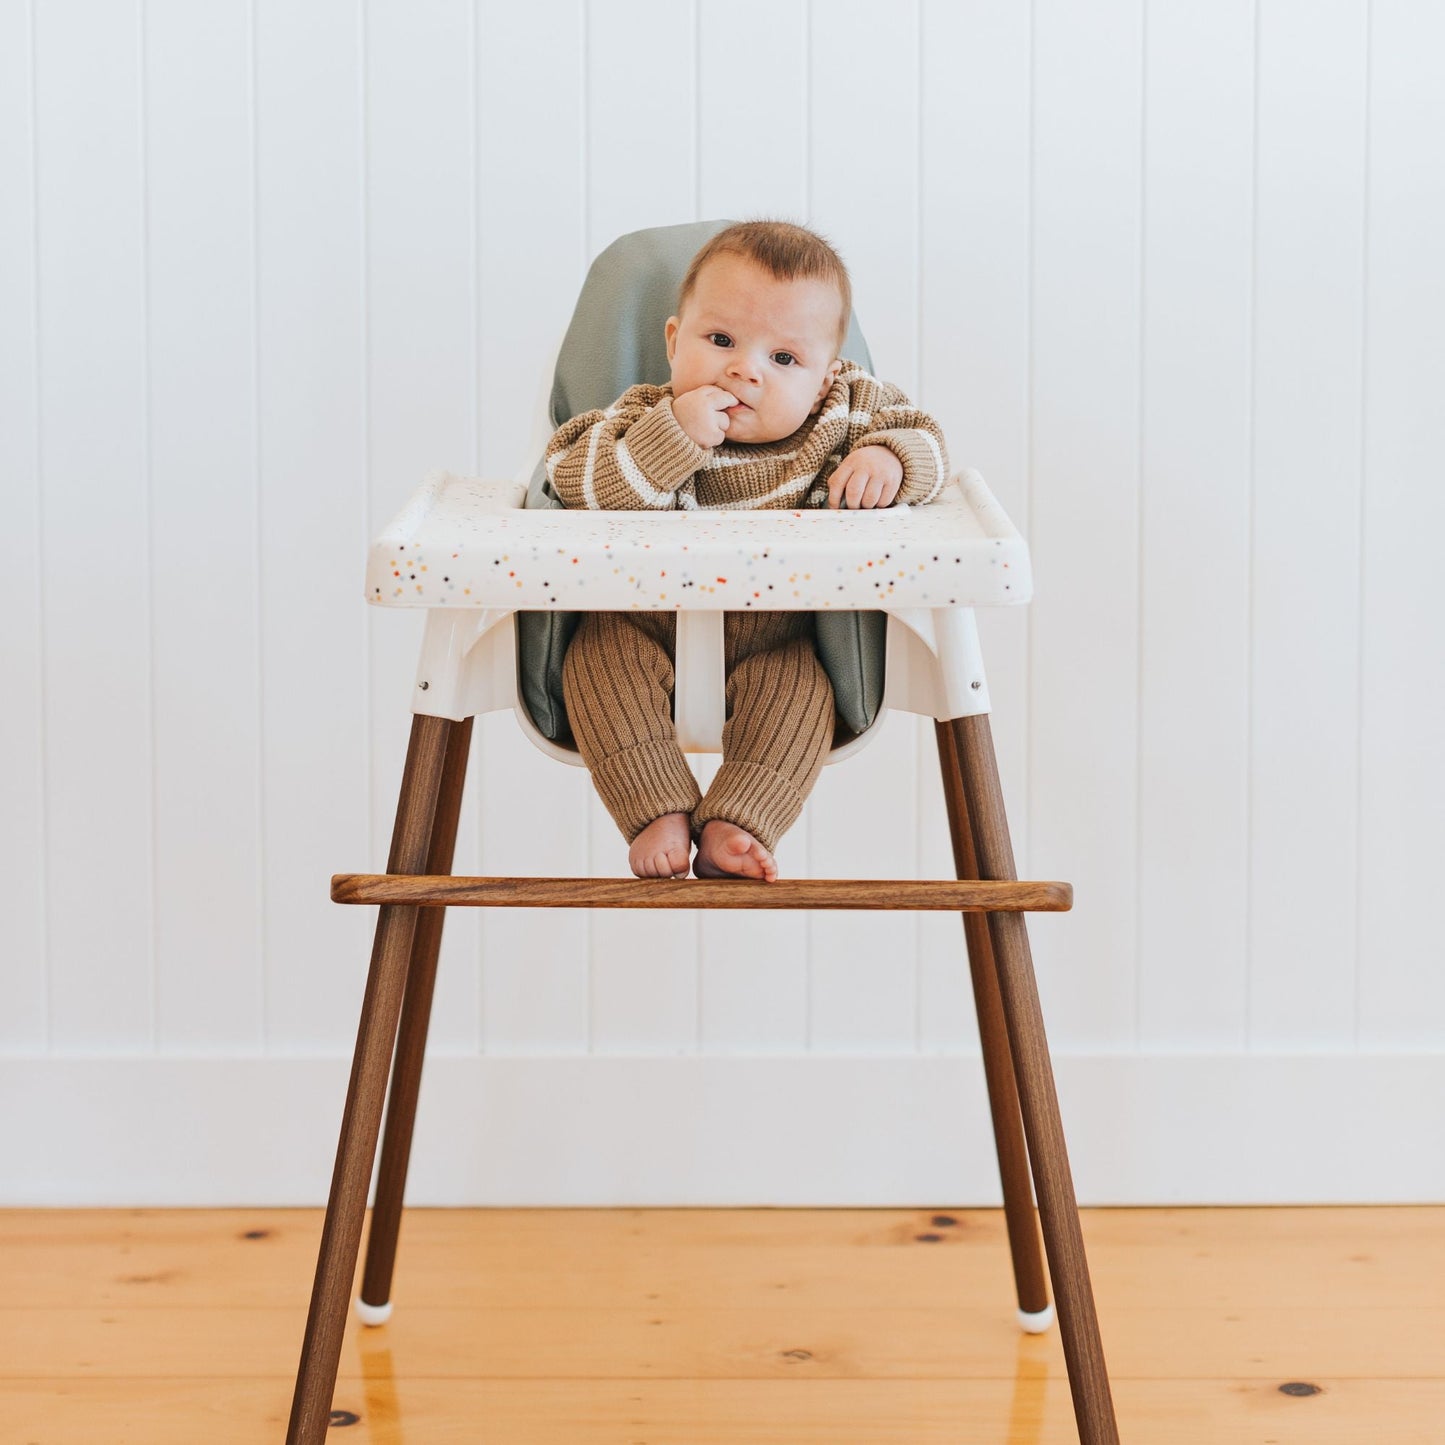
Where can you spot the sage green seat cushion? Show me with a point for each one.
(615, 340)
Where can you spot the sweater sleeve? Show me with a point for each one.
(631, 457)
(914, 438)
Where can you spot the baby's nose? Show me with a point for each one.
(743, 366)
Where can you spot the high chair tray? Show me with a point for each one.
(464, 542)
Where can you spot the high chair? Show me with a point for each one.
(497, 579)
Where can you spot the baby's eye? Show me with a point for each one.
(718, 338)
(785, 358)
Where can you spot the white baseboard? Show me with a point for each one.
(773, 1130)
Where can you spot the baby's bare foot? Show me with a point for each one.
(662, 848)
(727, 851)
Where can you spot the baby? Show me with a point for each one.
(761, 412)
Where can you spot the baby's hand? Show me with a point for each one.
(868, 477)
(702, 414)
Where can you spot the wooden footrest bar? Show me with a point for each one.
(944, 895)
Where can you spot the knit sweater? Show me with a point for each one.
(634, 456)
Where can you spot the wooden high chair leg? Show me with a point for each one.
(1058, 1207)
(371, 1065)
(411, 1044)
(1013, 1159)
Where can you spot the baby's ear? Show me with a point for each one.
(830, 376)
(669, 332)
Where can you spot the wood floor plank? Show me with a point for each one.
(756, 1258)
(695, 1327)
(861, 1343)
(1025, 1411)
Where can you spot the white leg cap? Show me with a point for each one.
(1037, 1324)
(372, 1314)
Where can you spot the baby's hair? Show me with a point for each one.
(790, 252)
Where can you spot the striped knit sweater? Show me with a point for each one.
(635, 457)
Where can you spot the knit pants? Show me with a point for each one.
(617, 681)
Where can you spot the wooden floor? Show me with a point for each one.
(699, 1327)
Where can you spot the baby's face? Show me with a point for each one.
(771, 343)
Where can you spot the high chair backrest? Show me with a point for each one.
(615, 340)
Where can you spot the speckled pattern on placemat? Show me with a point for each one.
(463, 542)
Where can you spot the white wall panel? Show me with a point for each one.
(1084, 511)
(641, 139)
(642, 170)
(533, 250)
(1402, 683)
(863, 166)
(1166, 274)
(421, 396)
(862, 977)
(752, 146)
(1194, 509)
(946, 1019)
(312, 368)
(204, 573)
(23, 967)
(792, 1132)
(95, 548)
(975, 97)
(862, 819)
(752, 86)
(1305, 719)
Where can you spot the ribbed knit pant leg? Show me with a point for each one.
(617, 680)
(779, 724)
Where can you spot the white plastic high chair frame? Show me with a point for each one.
(469, 553)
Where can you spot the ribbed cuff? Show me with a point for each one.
(752, 797)
(664, 453)
(644, 783)
(925, 463)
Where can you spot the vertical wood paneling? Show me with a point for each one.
(313, 530)
(1194, 589)
(533, 247)
(641, 120)
(752, 109)
(1083, 513)
(1227, 682)
(862, 817)
(753, 149)
(1306, 567)
(535, 962)
(645, 967)
(421, 379)
(203, 525)
(95, 549)
(23, 967)
(947, 1021)
(642, 171)
(531, 186)
(863, 167)
(1402, 783)
(862, 966)
(974, 349)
